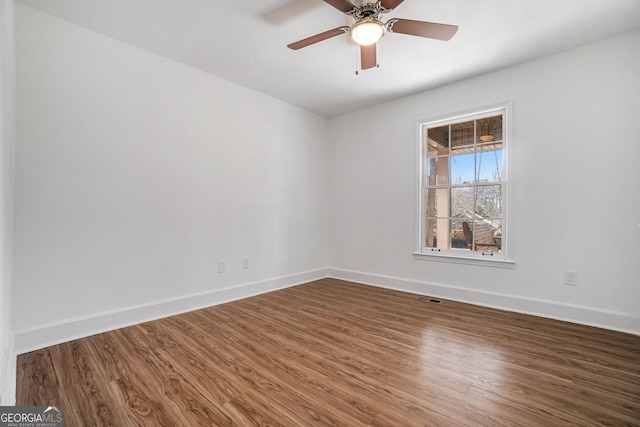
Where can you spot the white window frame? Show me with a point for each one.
(506, 257)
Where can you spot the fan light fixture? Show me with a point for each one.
(367, 32)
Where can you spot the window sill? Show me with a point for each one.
(457, 259)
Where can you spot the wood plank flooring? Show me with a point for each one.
(338, 353)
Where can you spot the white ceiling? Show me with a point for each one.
(245, 41)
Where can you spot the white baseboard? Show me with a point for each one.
(590, 316)
(55, 333)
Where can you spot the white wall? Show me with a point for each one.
(136, 174)
(7, 144)
(576, 178)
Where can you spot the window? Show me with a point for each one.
(463, 187)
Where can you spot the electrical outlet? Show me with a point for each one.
(245, 262)
(570, 278)
(221, 266)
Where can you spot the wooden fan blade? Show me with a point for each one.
(318, 38)
(344, 6)
(430, 30)
(368, 56)
(390, 4)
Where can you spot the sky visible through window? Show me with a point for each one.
(463, 169)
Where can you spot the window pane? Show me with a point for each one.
(489, 149)
(462, 200)
(458, 239)
(437, 202)
(497, 232)
(462, 169)
(436, 233)
(438, 156)
(442, 237)
(490, 128)
(486, 235)
(462, 135)
(430, 233)
(489, 164)
(489, 201)
(438, 139)
(437, 171)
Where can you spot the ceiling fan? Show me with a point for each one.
(368, 28)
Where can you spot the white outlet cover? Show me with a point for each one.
(570, 278)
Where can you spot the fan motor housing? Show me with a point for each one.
(368, 11)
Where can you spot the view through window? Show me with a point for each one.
(462, 186)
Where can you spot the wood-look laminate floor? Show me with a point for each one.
(337, 353)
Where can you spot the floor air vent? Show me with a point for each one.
(429, 299)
